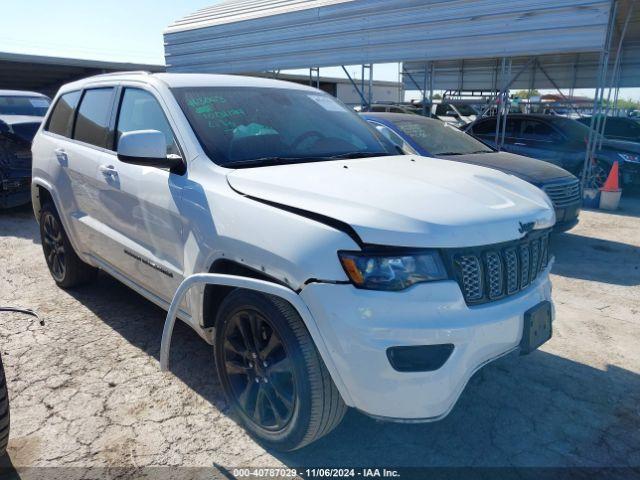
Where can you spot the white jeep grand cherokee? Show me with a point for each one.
(412, 272)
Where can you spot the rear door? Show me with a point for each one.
(87, 150)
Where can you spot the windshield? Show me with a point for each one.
(247, 126)
(20, 105)
(439, 138)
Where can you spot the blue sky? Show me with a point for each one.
(103, 30)
(118, 30)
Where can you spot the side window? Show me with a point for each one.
(442, 110)
(140, 110)
(622, 128)
(92, 122)
(61, 119)
(534, 130)
(512, 127)
(486, 127)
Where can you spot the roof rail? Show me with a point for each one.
(112, 74)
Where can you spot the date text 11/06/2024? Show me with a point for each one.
(315, 473)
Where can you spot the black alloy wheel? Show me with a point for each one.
(53, 246)
(259, 370)
(272, 375)
(67, 269)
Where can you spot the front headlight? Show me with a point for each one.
(630, 157)
(392, 270)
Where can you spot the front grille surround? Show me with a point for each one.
(564, 194)
(492, 272)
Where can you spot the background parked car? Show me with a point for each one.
(383, 107)
(618, 128)
(20, 116)
(433, 138)
(561, 141)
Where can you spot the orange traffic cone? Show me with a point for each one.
(612, 183)
(610, 192)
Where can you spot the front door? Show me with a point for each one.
(142, 204)
(537, 139)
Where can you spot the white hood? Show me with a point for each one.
(405, 200)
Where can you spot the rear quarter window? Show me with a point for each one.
(61, 119)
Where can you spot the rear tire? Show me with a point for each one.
(271, 372)
(4, 411)
(65, 266)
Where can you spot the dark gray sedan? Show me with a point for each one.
(433, 138)
(562, 141)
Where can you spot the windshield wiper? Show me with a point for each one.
(272, 161)
(350, 155)
(463, 153)
(266, 162)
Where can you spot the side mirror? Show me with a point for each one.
(147, 148)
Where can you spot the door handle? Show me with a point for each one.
(61, 155)
(108, 171)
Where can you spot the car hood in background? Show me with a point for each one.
(531, 170)
(17, 119)
(403, 200)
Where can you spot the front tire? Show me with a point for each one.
(272, 375)
(65, 266)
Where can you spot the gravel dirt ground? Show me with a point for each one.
(86, 389)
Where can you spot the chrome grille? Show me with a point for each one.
(492, 272)
(564, 194)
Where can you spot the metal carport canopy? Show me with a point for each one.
(577, 69)
(244, 36)
(45, 74)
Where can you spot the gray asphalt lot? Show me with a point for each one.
(86, 389)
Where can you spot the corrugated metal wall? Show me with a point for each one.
(566, 71)
(256, 35)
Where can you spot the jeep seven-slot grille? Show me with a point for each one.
(492, 272)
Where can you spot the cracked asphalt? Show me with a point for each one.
(86, 389)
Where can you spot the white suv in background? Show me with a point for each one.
(413, 272)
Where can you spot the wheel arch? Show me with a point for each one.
(41, 194)
(214, 295)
